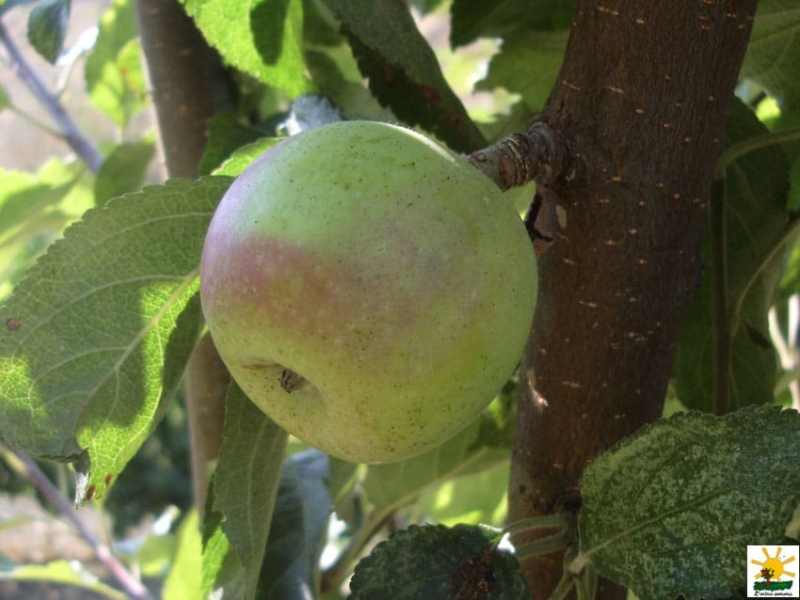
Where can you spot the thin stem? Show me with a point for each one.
(26, 466)
(721, 316)
(563, 588)
(72, 135)
(544, 545)
(541, 522)
(36, 123)
(791, 229)
(735, 152)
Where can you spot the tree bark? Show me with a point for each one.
(642, 100)
(189, 84)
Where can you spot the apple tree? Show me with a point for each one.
(649, 432)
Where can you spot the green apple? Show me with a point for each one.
(368, 289)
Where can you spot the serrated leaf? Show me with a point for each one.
(246, 481)
(773, 54)
(47, 27)
(94, 340)
(261, 37)
(403, 71)
(123, 170)
(113, 70)
(435, 561)
(528, 63)
(755, 201)
(299, 523)
(671, 509)
(472, 19)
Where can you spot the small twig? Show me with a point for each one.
(28, 467)
(541, 522)
(540, 155)
(72, 135)
(545, 545)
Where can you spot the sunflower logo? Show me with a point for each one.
(773, 574)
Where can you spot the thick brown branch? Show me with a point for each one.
(642, 98)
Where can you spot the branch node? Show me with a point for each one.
(540, 155)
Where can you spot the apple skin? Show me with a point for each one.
(368, 289)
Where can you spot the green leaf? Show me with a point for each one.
(184, 579)
(773, 54)
(528, 63)
(5, 99)
(61, 572)
(403, 71)
(672, 508)
(244, 155)
(439, 562)
(225, 135)
(299, 524)
(113, 70)
(263, 38)
(500, 18)
(34, 209)
(393, 485)
(756, 217)
(47, 27)
(95, 339)
(472, 499)
(123, 170)
(246, 481)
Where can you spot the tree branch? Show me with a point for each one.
(67, 128)
(189, 86)
(642, 100)
(26, 466)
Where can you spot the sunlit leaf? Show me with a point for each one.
(60, 572)
(262, 38)
(184, 579)
(113, 70)
(95, 339)
(671, 509)
(528, 63)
